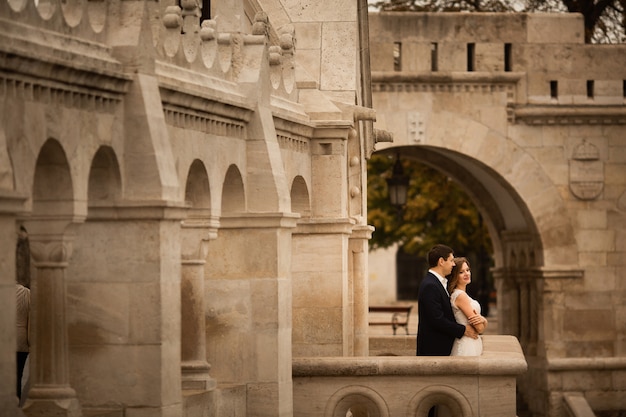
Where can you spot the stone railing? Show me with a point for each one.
(381, 386)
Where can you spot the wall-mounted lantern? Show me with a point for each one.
(398, 186)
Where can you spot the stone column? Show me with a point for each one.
(358, 245)
(10, 204)
(195, 236)
(51, 393)
(250, 299)
(508, 299)
(524, 319)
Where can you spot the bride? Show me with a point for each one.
(465, 309)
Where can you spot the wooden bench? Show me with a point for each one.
(399, 317)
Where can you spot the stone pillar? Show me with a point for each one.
(195, 368)
(358, 245)
(249, 300)
(51, 393)
(508, 302)
(323, 318)
(534, 323)
(524, 319)
(9, 205)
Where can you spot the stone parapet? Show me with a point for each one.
(408, 385)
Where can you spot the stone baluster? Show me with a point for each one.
(51, 393)
(195, 368)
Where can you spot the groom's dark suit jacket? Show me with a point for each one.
(436, 328)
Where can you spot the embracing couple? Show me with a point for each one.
(449, 320)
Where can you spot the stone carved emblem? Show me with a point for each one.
(586, 171)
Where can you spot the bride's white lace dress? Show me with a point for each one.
(465, 346)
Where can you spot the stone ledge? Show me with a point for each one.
(502, 355)
(579, 364)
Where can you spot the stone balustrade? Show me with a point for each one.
(381, 386)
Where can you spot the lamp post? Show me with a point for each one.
(398, 186)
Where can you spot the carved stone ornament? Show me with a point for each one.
(586, 172)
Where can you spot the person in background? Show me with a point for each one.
(437, 328)
(23, 323)
(464, 308)
(22, 258)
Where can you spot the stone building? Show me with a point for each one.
(186, 183)
(191, 177)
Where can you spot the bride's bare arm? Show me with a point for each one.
(463, 302)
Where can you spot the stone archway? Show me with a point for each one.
(105, 184)
(51, 228)
(356, 400)
(300, 199)
(233, 194)
(196, 231)
(520, 229)
(518, 247)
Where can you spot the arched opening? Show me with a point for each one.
(300, 202)
(195, 231)
(356, 401)
(197, 190)
(440, 401)
(510, 227)
(51, 228)
(52, 185)
(233, 195)
(105, 185)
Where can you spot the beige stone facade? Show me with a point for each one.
(193, 191)
(531, 122)
(193, 194)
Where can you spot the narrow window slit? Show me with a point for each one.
(507, 56)
(397, 56)
(590, 88)
(434, 66)
(471, 57)
(554, 89)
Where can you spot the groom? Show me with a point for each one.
(436, 326)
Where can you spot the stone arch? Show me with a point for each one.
(521, 220)
(434, 395)
(52, 229)
(359, 400)
(52, 185)
(233, 194)
(197, 190)
(300, 199)
(105, 184)
(518, 193)
(195, 231)
(501, 208)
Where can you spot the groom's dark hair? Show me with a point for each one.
(438, 251)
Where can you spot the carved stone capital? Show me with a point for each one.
(51, 241)
(196, 235)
